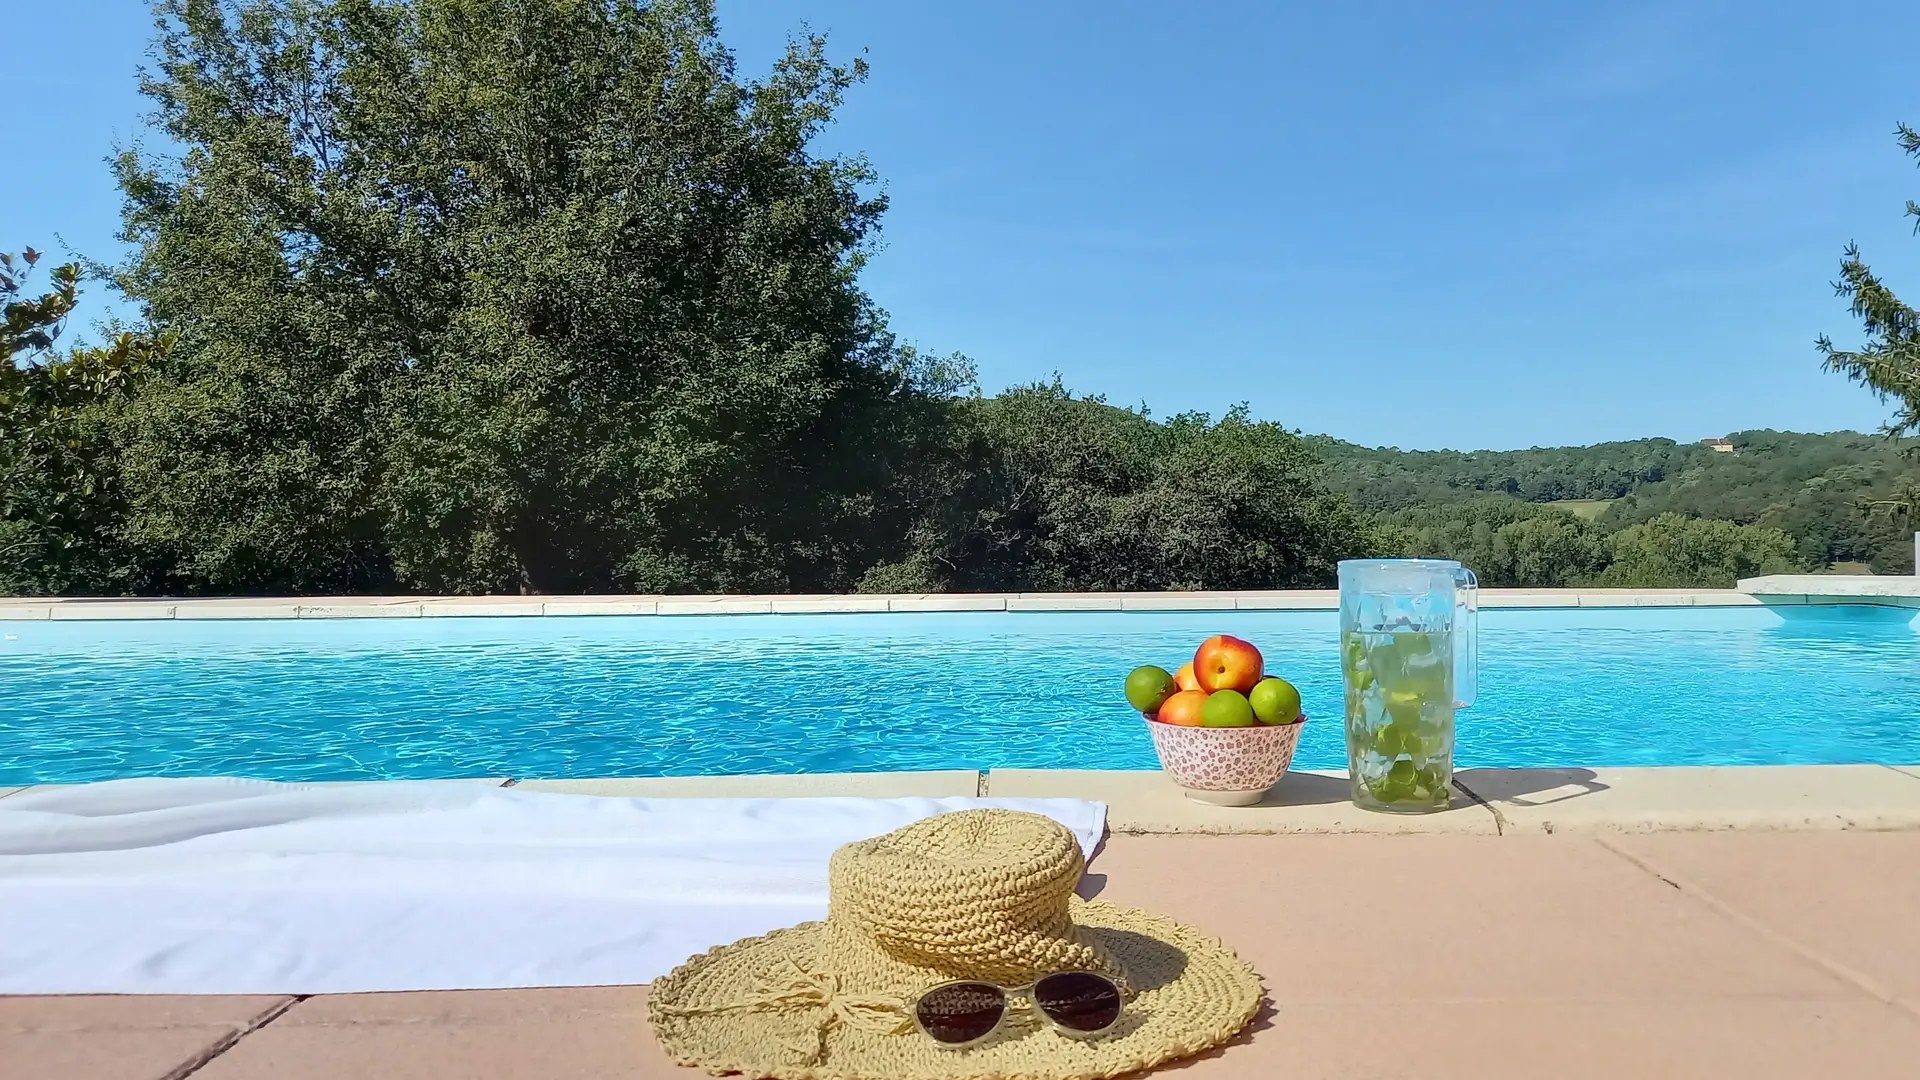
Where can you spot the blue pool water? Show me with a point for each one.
(550, 697)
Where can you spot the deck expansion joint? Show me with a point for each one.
(232, 1039)
(1860, 981)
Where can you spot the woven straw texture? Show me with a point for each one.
(978, 894)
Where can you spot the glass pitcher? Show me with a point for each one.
(1409, 648)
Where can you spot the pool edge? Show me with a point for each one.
(413, 607)
(1492, 802)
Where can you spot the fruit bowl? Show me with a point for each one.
(1226, 766)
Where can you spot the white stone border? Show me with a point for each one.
(1490, 802)
(413, 607)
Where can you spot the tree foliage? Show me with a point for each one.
(60, 495)
(1673, 551)
(1888, 363)
(1054, 492)
(509, 295)
(1815, 488)
(1389, 479)
(1508, 543)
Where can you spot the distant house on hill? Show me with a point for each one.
(1724, 446)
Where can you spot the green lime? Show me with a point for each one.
(1393, 739)
(1275, 701)
(1396, 786)
(1148, 687)
(1429, 780)
(1404, 707)
(1226, 708)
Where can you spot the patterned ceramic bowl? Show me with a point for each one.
(1225, 766)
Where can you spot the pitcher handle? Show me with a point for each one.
(1466, 638)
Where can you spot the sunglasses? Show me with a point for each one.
(1079, 1004)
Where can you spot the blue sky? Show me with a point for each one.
(1467, 225)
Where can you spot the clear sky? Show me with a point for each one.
(1466, 225)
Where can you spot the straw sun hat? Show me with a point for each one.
(975, 895)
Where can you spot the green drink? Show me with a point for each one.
(1400, 718)
(1408, 631)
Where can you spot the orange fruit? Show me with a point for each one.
(1184, 679)
(1183, 708)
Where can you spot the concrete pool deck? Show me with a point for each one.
(1746, 954)
(1746, 921)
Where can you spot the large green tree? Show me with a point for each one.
(505, 295)
(1888, 362)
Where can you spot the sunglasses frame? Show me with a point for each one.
(1007, 995)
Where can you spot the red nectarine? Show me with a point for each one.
(1227, 663)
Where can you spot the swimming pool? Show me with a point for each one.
(325, 699)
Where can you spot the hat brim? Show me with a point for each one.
(1192, 993)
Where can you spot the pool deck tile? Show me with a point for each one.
(236, 609)
(1760, 797)
(948, 602)
(1145, 801)
(121, 1038)
(1512, 957)
(1038, 602)
(1613, 598)
(481, 607)
(821, 605)
(742, 605)
(112, 610)
(1371, 919)
(1290, 600)
(1177, 602)
(1574, 1039)
(582, 1032)
(1831, 896)
(35, 612)
(889, 785)
(600, 605)
(1520, 598)
(404, 609)
(1828, 587)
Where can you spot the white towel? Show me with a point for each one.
(248, 887)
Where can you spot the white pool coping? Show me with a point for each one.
(1884, 589)
(406, 607)
(1493, 802)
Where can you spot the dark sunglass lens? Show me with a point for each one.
(1079, 1000)
(961, 1012)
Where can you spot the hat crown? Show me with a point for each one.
(982, 894)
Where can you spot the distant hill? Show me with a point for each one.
(1389, 479)
(1806, 485)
